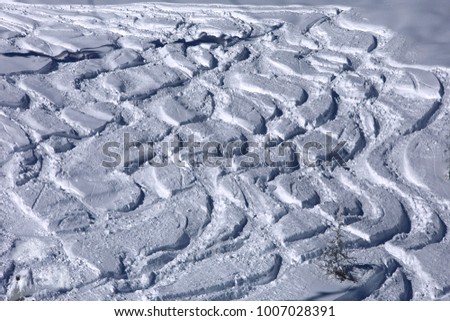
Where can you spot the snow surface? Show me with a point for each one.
(423, 24)
(73, 79)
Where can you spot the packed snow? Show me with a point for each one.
(74, 225)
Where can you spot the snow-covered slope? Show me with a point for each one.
(73, 79)
(423, 24)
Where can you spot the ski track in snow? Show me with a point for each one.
(72, 79)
